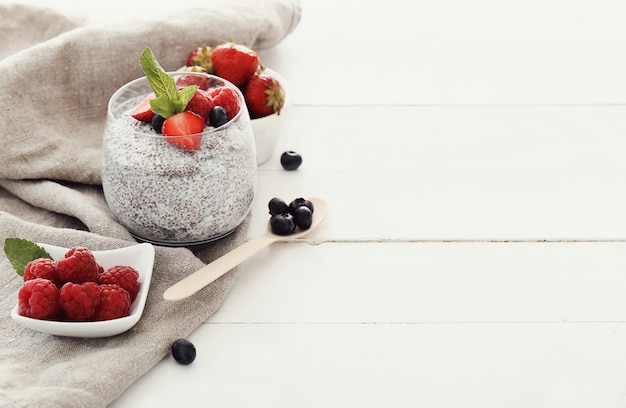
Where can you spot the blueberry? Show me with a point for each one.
(303, 217)
(183, 351)
(282, 224)
(278, 206)
(157, 123)
(217, 116)
(298, 202)
(290, 160)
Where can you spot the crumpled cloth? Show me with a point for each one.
(57, 74)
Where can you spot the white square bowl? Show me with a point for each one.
(140, 257)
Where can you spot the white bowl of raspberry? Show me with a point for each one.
(139, 257)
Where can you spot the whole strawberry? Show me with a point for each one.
(38, 298)
(201, 58)
(124, 276)
(264, 95)
(114, 303)
(187, 80)
(78, 301)
(78, 266)
(235, 62)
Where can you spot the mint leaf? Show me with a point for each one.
(169, 100)
(185, 96)
(154, 73)
(163, 106)
(21, 251)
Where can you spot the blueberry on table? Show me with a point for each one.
(217, 116)
(183, 351)
(290, 160)
(278, 206)
(282, 224)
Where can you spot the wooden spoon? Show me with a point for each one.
(207, 274)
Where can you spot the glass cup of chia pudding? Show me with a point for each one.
(174, 196)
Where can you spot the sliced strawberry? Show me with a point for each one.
(226, 98)
(264, 95)
(200, 103)
(143, 111)
(235, 62)
(184, 130)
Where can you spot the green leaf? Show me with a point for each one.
(163, 106)
(185, 96)
(169, 100)
(21, 251)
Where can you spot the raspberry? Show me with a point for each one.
(38, 298)
(227, 99)
(42, 268)
(114, 302)
(200, 104)
(124, 276)
(79, 300)
(78, 266)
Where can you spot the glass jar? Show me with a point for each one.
(170, 196)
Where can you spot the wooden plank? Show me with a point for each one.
(456, 52)
(430, 283)
(501, 173)
(401, 365)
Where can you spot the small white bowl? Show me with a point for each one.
(267, 130)
(140, 257)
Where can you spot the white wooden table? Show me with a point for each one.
(473, 157)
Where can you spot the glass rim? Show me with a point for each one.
(118, 92)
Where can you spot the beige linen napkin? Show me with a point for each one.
(56, 76)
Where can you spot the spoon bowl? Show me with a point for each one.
(212, 271)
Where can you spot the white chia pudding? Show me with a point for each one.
(167, 195)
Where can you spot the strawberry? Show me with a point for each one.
(186, 80)
(184, 130)
(143, 111)
(200, 104)
(264, 95)
(235, 62)
(226, 98)
(201, 57)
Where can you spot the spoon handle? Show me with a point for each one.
(212, 271)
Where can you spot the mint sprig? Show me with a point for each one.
(169, 100)
(21, 251)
